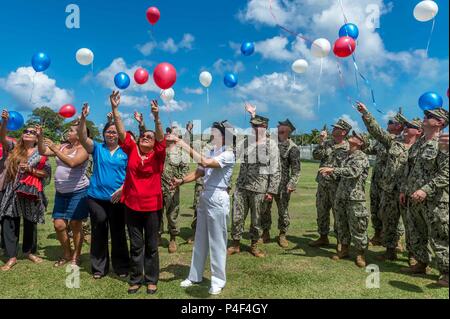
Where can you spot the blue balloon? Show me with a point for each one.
(15, 121)
(247, 48)
(430, 101)
(230, 80)
(349, 30)
(40, 61)
(122, 80)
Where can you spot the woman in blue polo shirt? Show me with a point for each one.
(104, 194)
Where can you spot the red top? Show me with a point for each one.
(142, 190)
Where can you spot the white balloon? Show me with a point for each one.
(167, 95)
(321, 48)
(85, 56)
(426, 10)
(205, 79)
(300, 66)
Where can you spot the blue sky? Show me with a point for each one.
(203, 35)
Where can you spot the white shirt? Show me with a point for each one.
(219, 177)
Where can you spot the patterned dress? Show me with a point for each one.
(15, 206)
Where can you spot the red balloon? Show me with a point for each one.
(165, 75)
(141, 76)
(153, 15)
(67, 111)
(344, 47)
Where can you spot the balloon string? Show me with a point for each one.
(366, 81)
(320, 80)
(431, 35)
(32, 88)
(207, 96)
(342, 82)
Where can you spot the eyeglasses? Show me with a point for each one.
(31, 132)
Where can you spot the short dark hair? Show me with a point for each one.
(107, 126)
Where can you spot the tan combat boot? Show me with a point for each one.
(390, 254)
(418, 268)
(361, 259)
(235, 248)
(266, 237)
(342, 253)
(322, 241)
(282, 241)
(377, 239)
(443, 281)
(172, 245)
(254, 250)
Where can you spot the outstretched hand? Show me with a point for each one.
(115, 99)
(85, 111)
(361, 108)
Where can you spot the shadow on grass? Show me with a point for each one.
(200, 291)
(405, 286)
(179, 272)
(303, 244)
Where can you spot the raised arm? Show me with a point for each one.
(43, 148)
(81, 156)
(3, 129)
(373, 127)
(85, 141)
(159, 133)
(197, 157)
(140, 119)
(323, 150)
(115, 102)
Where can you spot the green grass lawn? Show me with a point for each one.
(297, 272)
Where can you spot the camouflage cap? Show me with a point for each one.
(414, 123)
(288, 124)
(400, 118)
(440, 114)
(343, 125)
(259, 120)
(363, 137)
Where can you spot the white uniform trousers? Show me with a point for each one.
(211, 237)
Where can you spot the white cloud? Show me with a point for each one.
(279, 89)
(169, 45)
(221, 66)
(43, 92)
(175, 106)
(275, 49)
(196, 91)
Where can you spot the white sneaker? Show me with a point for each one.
(187, 283)
(215, 290)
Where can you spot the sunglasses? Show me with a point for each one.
(148, 136)
(430, 116)
(31, 132)
(111, 132)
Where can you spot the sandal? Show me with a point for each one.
(61, 262)
(97, 276)
(35, 259)
(75, 262)
(8, 266)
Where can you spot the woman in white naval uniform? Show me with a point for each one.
(214, 206)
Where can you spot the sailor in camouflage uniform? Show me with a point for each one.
(394, 127)
(352, 217)
(175, 166)
(424, 191)
(331, 153)
(390, 209)
(290, 174)
(258, 182)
